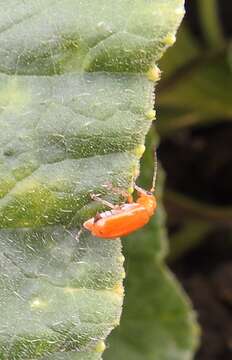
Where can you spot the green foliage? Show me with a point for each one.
(157, 321)
(49, 38)
(195, 94)
(76, 105)
(194, 91)
(54, 292)
(50, 124)
(197, 85)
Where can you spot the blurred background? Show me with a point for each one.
(194, 102)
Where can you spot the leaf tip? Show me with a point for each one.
(151, 115)
(139, 151)
(180, 10)
(118, 289)
(154, 73)
(170, 39)
(123, 274)
(100, 347)
(121, 259)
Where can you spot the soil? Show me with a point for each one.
(206, 157)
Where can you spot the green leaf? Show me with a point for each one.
(185, 51)
(210, 21)
(198, 93)
(197, 81)
(55, 292)
(63, 136)
(157, 321)
(75, 106)
(176, 62)
(50, 37)
(204, 88)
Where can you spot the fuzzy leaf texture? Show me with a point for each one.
(76, 103)
(157, 321)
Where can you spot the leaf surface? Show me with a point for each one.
(75, 106)
(157, 322)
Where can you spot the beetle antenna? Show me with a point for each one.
(155, 171)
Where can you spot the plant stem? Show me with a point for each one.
(183, 206)
(192, 233)
(210, 22)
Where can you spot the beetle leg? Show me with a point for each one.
(103, 202)
(142, 191)
(97, 217)
(119, 191)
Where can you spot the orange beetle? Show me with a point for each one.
(124, 219)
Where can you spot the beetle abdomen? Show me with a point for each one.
(130, 218)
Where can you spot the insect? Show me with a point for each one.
(124, 219)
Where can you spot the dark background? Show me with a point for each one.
(197, 159)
